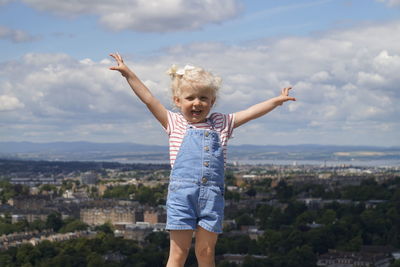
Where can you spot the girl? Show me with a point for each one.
(197, 142)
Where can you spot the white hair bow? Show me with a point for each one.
(174, 70)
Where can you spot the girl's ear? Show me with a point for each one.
(177, 101)
(213, 101)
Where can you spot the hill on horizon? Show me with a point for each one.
(131, 151)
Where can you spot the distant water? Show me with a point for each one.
(328, 163)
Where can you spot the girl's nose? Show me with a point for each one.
(196, 102)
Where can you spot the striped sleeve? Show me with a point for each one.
(171, 122)
(224, 123)
(176, 130)
(230, 119)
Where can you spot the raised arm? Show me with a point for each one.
(262, 108)
(144, 94)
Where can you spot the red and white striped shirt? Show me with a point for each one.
(177, 125)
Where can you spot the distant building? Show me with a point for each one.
(229, 224)
(31, 182)
(137, 232)
(312, 203)
(30, 215)
(239, 258)
(113, 215)
(140, 230)
(114, 257)
(68, 194)
(154, 216)
(35, 237)
(335, 258)
(89, 178)
(373, 203)
(254, 233)
(30, 202)
(101, 189)
(15, 218)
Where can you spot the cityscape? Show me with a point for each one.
(311, 180)
(275, 215)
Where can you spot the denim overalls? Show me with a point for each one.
(196, 188)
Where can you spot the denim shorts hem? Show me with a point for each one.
(209, 228)
(179, 227)
(191, 180)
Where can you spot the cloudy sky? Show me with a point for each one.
(341, 56)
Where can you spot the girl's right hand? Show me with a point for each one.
(121, 67)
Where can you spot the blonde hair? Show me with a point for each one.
(193, 77)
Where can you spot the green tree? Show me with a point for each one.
(230, 177)
(158, 239)
(284, 192)
(8, 190)
(263, 212)
(269, 241)
(251, 192)
(74, 225)
(6, 260)
(106, 228)
(94, 192)
(226, 264)
(27, 254)
(395, 264)
(145, 195)
(305, 218)
(250, 261)
(244, 219)
(48, 188)
(275, 220)
(354, 244)
(320, 239)
(231, 195)
(119, 192)
(95, 260)
(327, 217)
(47, 250)
(294, 209)
(54, 221)
(37, 225)
(301, 256)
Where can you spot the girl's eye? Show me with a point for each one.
(189, 98)
(203, 98)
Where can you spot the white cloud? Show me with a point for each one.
(345, 82)
(320, 76)
(146, 15)
(388, 65)
(8, 103)
(72, 99)
(3, 2)
(348, 77)
(365, 79)
(391, 3)
(16, 36)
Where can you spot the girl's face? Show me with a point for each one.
(195, 104)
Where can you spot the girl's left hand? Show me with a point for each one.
(285, 96)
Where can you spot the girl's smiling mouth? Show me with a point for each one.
(196, 112)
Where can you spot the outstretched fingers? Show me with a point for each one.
(118, 57)
(121, 67)
(119, 60)
(285, 94)
(285, 91)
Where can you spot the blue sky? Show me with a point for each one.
(342, 57)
